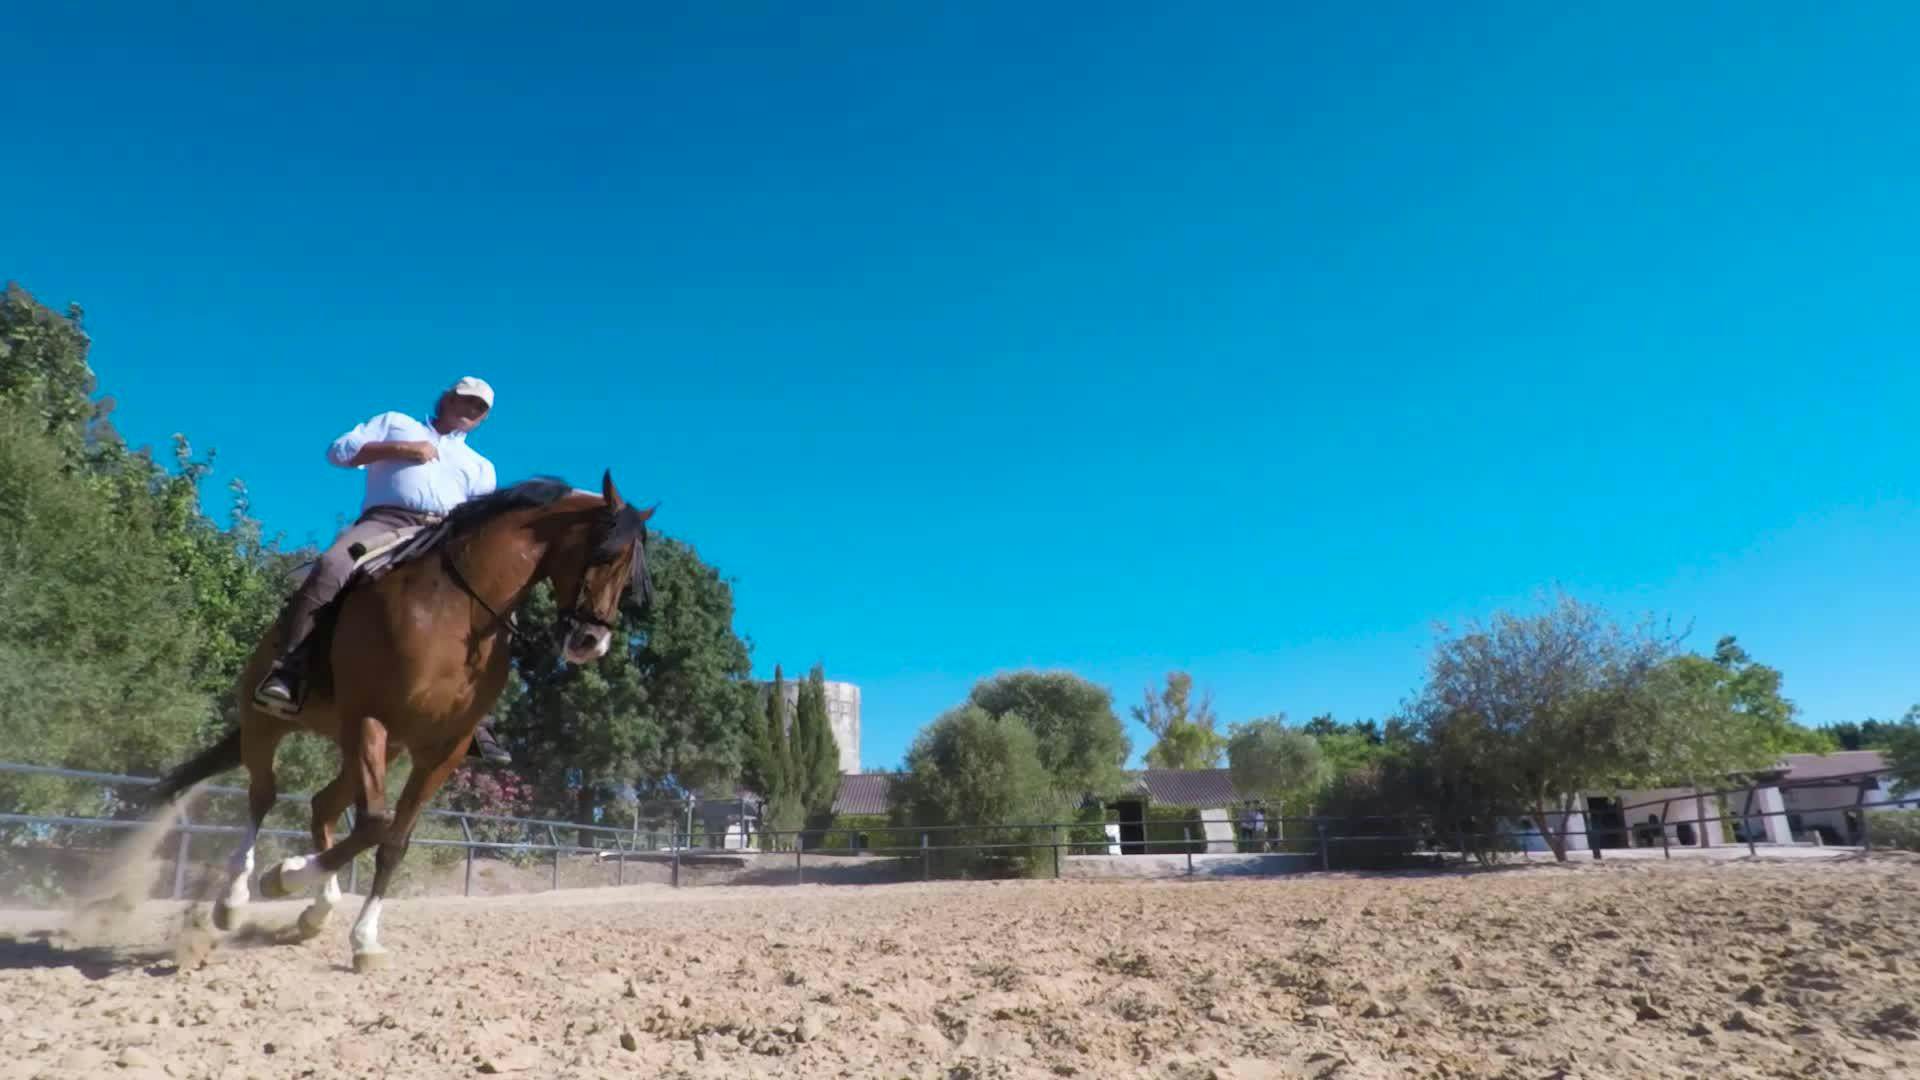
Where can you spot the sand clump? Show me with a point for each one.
(1750, 969)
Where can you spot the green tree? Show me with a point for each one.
(972, 768)
(795, 766)
(775, 774)
(1185, 731)
(1270, 761)
(97, 668)
(220, 586)
(667, 711)
(44, 370)
(1522, 714)
(1871, 735)
(1754, 691)
(1346, 747)
(1080, 740)
(1902, 743)
(1702, 728)
(817, 761)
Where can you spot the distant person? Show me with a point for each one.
(416, 473)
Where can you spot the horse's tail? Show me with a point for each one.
(212, 761)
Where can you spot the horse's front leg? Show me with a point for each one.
(428, 775)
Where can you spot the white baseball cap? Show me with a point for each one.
(474, 388)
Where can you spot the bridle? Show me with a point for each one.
(572, 616)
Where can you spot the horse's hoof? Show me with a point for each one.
(312, 922)
(364, 962)
(222, 917)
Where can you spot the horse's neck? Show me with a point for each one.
(503, 561)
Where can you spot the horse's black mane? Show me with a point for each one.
(532, 494)
(538, 492)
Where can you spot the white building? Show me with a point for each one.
(1803, 796)
(1826, 794)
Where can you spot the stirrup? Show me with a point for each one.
(489, 751)
(279, 706)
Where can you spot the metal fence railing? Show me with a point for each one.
(539, 836)
(1313, 840)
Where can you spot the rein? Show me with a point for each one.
(571, 613)
(453, 571)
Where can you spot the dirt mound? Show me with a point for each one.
(1643, 970)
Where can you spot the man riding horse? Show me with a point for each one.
(416, 473)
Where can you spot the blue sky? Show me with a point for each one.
(1249, 340)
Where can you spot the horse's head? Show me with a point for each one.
(613, 556)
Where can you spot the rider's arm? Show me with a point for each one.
(371, 442)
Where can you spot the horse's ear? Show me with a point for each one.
(648, 512)
(614, 502)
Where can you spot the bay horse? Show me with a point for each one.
(412, 661)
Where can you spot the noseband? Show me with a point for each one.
(572, 617)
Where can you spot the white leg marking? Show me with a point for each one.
(314, 918)
(366, 929)
(239, 869)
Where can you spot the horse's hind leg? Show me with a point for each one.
(258, 741)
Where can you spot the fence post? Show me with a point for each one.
(1320, 827)
(1056, 851)
(620, 873)
(1186, 833)
(797, 878)
(182, 855)
(926, 860)
(1866, 829)
(1666, 843)
(673, 842)
(1748, 821)
(1460, 841)
(554, 839)
(467, 832)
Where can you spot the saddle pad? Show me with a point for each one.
(393, 549)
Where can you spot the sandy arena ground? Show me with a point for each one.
(1718, 969)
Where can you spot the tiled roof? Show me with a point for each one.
(1205, 788)
(1840, 763)
(863, 793)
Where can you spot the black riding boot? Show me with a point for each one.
(284, 689)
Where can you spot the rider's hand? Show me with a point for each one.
(419, 452)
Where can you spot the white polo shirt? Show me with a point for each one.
(432, 487)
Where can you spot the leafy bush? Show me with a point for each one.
(1174, 830)
(848, 830)
(1898, 829)
(971, 768)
